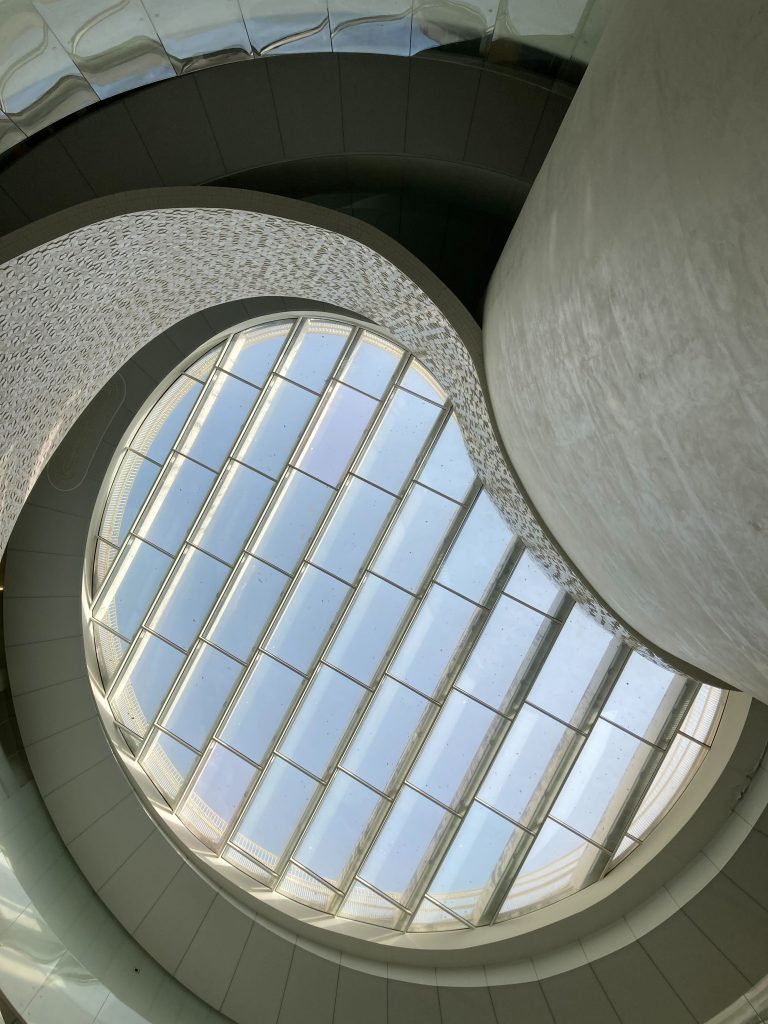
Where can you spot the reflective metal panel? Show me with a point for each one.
(196, 33)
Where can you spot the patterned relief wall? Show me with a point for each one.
(74, 309)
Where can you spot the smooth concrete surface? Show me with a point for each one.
(632, 967)
(626, 338)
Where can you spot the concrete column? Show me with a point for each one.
(626, 331)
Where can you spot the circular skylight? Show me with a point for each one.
(341, 669)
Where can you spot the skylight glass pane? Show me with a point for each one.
(416, 535)
(204, 686)
(235, 505)
(145, 682)
(529, 583)
(168, 763)
(103, 560)
(371, 365)
(336, 434)
(305, 888)
(363, 904)
(503, 653)
(431, 918)
(479, 552)
(110, 650)
(559, 863)
(527, 765)
(313, 355)
(202, 368)
(326, 712)
(175, 503)
(405, 848)
(133, 482)
(574, 668)
(470, 871)
(349, 535)
(307, 618)
(397, 441)
(252, 353)
(218, 420)
(187, 598)
(246, 607)
(417, 378)
(340, 830)
(368, 629)
(275, 812)
(210, 805)
(261, 708)
(674, 774)
(282, 413)
(701, 721)
(603, 780)
(449, 468)
(156, 435)
(393, 724)
(644, 697)
(459, 743)
(292, 520)
(129, 591)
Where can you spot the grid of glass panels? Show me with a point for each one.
(340, 667)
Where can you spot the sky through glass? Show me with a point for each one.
(339, 666)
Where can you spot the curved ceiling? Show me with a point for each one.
(59, 57)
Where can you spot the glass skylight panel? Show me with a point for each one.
(644, 698)
(457, 746)
(435, 640)
(368, 628)
(394, 723)
(232, 510)
(345, 817)
(281, 415)
(371, 365)
(503, 653)
(569, 677)
(145, 682)
(132, 586)
(324, 717)
(350, 533)
(175, 503)
(262, 705)
(529, 583)
(336, 434)
(133, 482)
(527, 765)
(216, 794)
(313, 355)
(406, 847)
(292, 520)
(161, 427)
(479, 552)
(218, 420)
(558, 864)
(203, 687)
(609, 769)
(275, 812)
(356, 699)
(470, 871)
(246, 607)
(252, 353)
(187, 597)
(448, 468)
(306, 618)
(415, 537)
(398, 439)
(168, 763)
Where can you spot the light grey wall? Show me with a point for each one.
(626, 335)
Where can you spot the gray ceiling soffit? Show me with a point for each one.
(57, 58)
(440, 155)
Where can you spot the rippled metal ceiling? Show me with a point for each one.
(58, 56)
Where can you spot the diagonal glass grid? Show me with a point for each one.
(338, 664)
